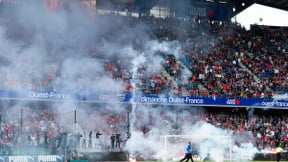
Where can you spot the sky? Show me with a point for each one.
(270, 16)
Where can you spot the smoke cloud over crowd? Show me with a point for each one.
(71, 51)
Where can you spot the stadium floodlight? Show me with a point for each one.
(173, 146)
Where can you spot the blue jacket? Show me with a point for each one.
(188, 149)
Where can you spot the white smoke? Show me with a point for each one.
(279, 97)
(207, 140)
(173, 47)
(69, 38)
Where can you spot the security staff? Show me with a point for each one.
(188, 153)
(279, 151)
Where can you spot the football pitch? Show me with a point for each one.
(214, 161)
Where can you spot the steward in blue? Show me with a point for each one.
(188, 153)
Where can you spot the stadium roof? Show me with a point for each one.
(239, 5)
(280, 4)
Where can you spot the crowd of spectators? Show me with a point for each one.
(226, 59)
(152, 82)
(212, 51)
(267, 56)
(34, 130)
(222, 57)
(264, 129)
(41, 129)
(215, 52)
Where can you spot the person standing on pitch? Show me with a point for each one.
(188, 152)
(90, 140)
(112, 138)
(84, 142)
(279, 151)
(118, 140)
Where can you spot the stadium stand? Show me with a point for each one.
(232, 62)
(42, 130)
(217, 59)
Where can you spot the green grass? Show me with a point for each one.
(213, 161)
